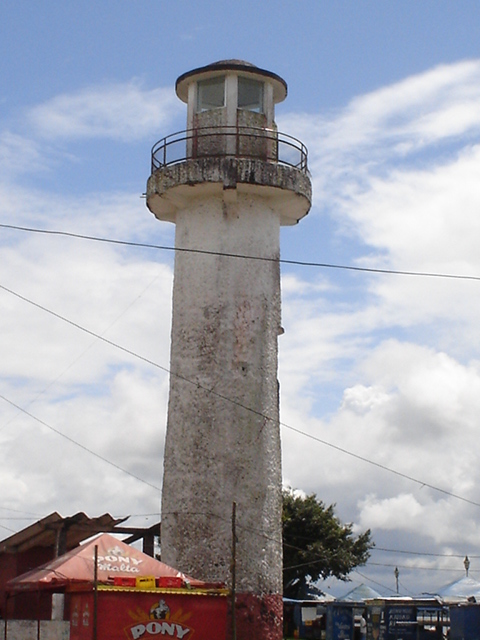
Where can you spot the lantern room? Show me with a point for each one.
(231, 93)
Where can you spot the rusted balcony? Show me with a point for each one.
(242, 142)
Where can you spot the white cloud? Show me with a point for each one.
(96, 395)
(89, 283)
(52, 470)
(425, 218)
(421, 110)
(19, 154)
(418, 417)
(101, 397)
(371, 144)
(123, 111)
(361, 399)
(384, 367)
(403, 210)
(399, 512)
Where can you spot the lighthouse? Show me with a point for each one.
(228, 183)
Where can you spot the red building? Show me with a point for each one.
(41, 542)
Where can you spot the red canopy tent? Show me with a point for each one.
(134, 595)
(115, 559)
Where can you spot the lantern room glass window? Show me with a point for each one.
(250, 95)
(211, 94)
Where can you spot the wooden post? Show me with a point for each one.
(6, 616)
(38, 614)
(95, 593)
(234, 568)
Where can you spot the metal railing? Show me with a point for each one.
(224, 141)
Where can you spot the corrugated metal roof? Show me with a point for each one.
(45, 532)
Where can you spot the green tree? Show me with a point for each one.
(316, 544)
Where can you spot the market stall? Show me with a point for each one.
(110, 590)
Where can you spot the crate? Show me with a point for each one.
(145, 582)
(170, 582)
(123, 581)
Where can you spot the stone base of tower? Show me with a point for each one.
(257, 617)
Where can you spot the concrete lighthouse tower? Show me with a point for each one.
(228, 183)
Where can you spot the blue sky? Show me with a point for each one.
(387, 367)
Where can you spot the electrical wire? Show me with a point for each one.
(300, 263)
(30, 513)
(379, 584)
(381, 466)
(292, 262)
(425, 553)
(237, 403)
(411, 568)
(305, 434)
(318, 558)
(78, 444)
(259, 533)
(81, 355)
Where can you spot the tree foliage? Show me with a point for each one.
(316, 544)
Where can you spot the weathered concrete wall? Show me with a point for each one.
(208, 142)
(28, 630)
(176, 186)
(226, 319)
(252, 142)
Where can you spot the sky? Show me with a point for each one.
(379, 371)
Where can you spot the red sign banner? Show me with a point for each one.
(134, 615)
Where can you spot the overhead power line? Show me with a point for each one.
(412, 568)
(381, 466)
(373, 581)
(235, 402)
(425, 553)
(300, 263)
(29, 513)
(318, 559)
(75, 442)
(240, 256)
